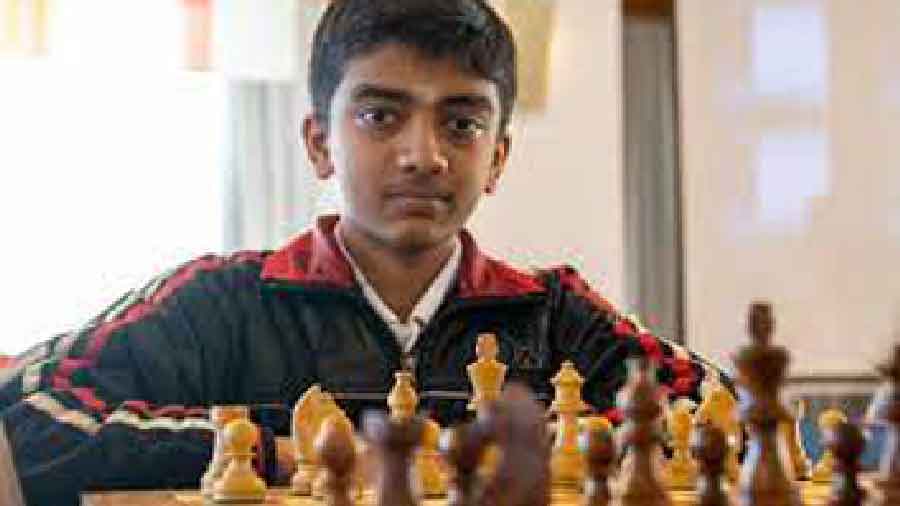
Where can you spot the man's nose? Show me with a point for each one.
(421, 148)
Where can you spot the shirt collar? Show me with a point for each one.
(313, 259)
(427, 305)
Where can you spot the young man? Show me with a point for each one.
(412, 99)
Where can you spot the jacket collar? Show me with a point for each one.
(314, 258)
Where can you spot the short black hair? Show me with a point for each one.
(469, 31)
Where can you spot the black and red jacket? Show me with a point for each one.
(122, 401)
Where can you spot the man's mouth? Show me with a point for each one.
(421, 196)
(419, 203)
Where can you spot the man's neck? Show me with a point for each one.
(399, 277)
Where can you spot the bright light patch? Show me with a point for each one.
(791, 171)
(789, 49)
(110, 165)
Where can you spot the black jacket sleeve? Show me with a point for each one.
(599, 340)
(118, 403)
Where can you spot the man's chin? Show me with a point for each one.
(415, 237)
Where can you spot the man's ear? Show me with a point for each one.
(498, 164)
(315, 137)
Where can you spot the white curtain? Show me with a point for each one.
(271, 193)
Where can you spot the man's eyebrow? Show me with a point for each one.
(368, 91)
(371, 91)
(473, 100)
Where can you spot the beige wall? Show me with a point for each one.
(790, 120)
(561, 200)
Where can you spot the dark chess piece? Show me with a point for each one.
(336, 452)
(597, 444)
(709, 448)
(463, 447)
(846, 443)
(516, 424)
(887, 411)
(641, 435)
(761, 368)
(393, 441)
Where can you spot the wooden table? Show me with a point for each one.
(812, 495)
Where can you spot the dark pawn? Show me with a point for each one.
(393, 442)
(846, 443)
(641, 435)
(887, 411)
(337, 453)
(462, 448)
(599, 449)
(517, 425)
(710, 448)
(761, 369)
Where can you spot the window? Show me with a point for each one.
(789, 78)
(109, 162)
(790, 52)
(791, 172)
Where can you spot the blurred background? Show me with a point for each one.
(688, 157)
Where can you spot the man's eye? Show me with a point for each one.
(376, 117)
(466, 127)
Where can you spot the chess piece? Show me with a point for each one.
(363, 471)
(306, 419)
(566, 462)
(761, 367)
(239, 482)
(682, 471)
(336, 451)
(313, 408)
(328, 409)
(641, 434)
(828, 420)
(219, 416)
(402, 400)
(719, 408)
(790, 431)
(393, 441)
(463, 447)
(846, 443)
(710, 447)
(429, 475)
(886, 410)
(522, 478)
(486, 374)
(596, 442)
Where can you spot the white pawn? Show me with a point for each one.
(682, 470)
(219, 416)
(429, 465)
(239, 482)
(828, 421)
(402, 399)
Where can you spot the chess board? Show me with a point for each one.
(813, 494)
(513, 421)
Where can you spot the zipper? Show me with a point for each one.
(454, 308)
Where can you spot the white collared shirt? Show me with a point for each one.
(407, 332)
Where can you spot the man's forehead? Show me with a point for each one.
(398, 70)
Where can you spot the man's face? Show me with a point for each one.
(414, 144)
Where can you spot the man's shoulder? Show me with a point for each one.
(248, 262)
(569, 282)
(227, 271)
